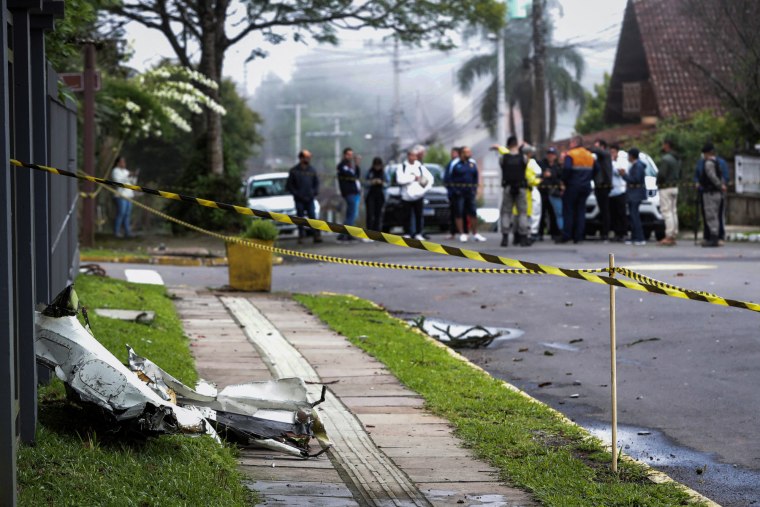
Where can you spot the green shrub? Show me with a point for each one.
(261, 229)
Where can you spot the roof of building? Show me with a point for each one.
(675, 43)
(625, 135)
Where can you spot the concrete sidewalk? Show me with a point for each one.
(388, 449)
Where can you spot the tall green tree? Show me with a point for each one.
(207, 28)
(564, 69)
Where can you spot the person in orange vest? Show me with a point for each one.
(577, 174)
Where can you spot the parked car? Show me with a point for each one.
(651, 218)
(436, 201)
(267, 193)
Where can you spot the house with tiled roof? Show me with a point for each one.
(656, 72)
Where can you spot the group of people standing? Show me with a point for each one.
(538, 196)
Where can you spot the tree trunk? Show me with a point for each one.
(211, 67)
(512, 125)
(538, 123)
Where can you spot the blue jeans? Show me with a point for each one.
(352, 208)
(637, 231)
(123, 210)
(304, 209)
(556, 202)
(574, 212)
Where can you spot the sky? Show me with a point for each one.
(592, 24)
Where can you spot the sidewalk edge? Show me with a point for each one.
(654, 475)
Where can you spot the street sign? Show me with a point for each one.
(75, 80)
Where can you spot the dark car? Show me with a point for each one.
(436, 210)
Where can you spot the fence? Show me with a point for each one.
(38, 233)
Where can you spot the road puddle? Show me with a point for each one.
(726, 484)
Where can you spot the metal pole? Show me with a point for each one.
(613, 366)
(88, 148)
(501, 115)
(337, 140)
(298, 128)
(396, 114)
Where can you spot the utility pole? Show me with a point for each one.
(396, 113)
(88, 148)
(501, 114)
(297, 108)
(539, 76)
(336, 133)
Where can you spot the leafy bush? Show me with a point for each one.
(261, 229)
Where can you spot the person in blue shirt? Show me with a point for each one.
(349, 182)
(635, 193)
(465, 177)
(450, 188)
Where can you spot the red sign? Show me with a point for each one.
(75, 81)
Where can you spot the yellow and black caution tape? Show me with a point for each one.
(329, 258)
(428, 246)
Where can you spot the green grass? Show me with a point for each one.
(533, 447)
(79, 460)
(113, 253)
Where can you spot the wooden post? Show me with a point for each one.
(613, 366)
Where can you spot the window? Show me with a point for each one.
(632, 99)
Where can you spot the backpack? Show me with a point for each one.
(513, 170)
(704, 181)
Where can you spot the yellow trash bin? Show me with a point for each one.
(250, 269)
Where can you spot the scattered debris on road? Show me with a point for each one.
(642, 340)
(459, 336)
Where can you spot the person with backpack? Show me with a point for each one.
(415, 180)
(724, 174)
(303, 185)
(577, 172)
(713, 188)
(514, 193)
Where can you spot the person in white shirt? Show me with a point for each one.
(618, 211)
(121, 174)
(415, 180)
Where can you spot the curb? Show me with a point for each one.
(166, 260)
(654, 475)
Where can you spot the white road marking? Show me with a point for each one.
(669, 267)
(147, 276)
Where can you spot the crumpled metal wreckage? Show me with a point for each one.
(143, 397)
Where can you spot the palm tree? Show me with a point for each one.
(564, 69)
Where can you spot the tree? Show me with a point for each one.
(591, 118)
(564, 69)
(206, 25)
(731, 27)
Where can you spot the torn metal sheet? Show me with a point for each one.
(93, 375)
(274, 414)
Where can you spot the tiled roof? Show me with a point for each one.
(626, 135)
(673, 39)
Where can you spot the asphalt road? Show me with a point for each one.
(687, 371)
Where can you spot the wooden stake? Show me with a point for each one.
(613, 366)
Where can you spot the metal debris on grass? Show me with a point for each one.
(145, 399)
(457, 337)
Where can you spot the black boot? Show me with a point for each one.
(505, 240)
(517, 239)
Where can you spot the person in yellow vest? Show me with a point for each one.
(578, 171)
(532, 180)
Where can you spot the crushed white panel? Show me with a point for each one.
(146, 276)
(374, 474)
